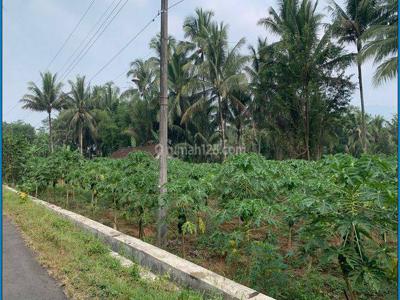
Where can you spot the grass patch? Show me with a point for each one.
(80, 261)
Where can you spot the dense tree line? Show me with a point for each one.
(287, 99)
(278, 226)
(292, 229)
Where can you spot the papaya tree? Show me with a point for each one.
(139, 188)
(110, 187)
(347, 208)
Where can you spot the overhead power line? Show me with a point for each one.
(124, 72)
(125, 46)
(175, 4)
(100, 30)
(94, 38)
(131, 41)
(68, 61)
(70, 34)
(12, 108)
(118, 76)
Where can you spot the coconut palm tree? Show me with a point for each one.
(155, 45)
(45, 99)
(196, 28)
(261, 72)
(381, 136)
(106, 97)
(79, 109)
(224, 73)
(180, 79)
(308, 63)
(144, 104)
(185, 88)
(144, 75)
(350, 23)
(380, 42)
(218, 69)
(297, 25)
(354, 133)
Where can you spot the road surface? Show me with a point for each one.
(23, 277)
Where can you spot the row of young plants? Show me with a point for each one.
(292, 229)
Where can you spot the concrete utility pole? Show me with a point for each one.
(163, 133)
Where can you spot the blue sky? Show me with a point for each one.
(33, 31)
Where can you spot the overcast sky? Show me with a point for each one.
(34, 30)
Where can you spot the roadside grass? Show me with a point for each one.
(80, 261)
(317, 284)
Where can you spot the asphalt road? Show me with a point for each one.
(23, 277)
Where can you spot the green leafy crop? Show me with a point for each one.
(292, 229)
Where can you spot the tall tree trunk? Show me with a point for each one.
(363, 126)
(50, 134)
(222, 126)
(306, 121)
(255, 141)
(186, 132)
(238, 135)
(307, 129)
(81, 138)
(319, 141)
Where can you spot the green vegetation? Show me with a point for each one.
(381, 41)
(287, 99)
(292, 229)
(308, 211)
(45, 99)
(79, 260)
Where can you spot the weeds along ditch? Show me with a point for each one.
(291, 229)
